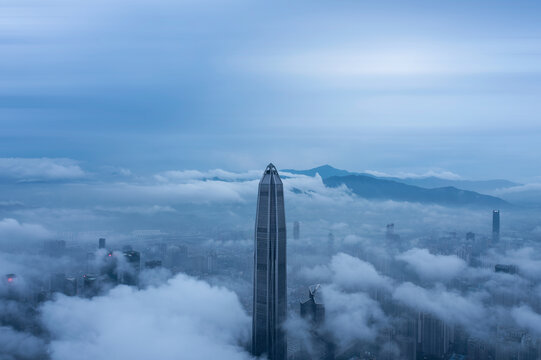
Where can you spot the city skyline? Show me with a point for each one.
(236, 180)
(418, 285)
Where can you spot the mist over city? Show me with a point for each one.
(250, 180)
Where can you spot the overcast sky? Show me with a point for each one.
(388, 86)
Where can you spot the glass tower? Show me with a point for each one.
(270, 283)
(495, 226)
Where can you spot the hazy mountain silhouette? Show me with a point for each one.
(436, 190)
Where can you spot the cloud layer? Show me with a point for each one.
(39, 169)
(433, 267)
(185, 318)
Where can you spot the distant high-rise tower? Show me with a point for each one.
(270, 282)
(312, 311)
(296, 230)
(130, 275)
(321, 347)
(495, 226)
(101, 243)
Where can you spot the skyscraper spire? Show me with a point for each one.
(270, 282)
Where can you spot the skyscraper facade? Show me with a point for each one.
(495, 226)
(270, 282)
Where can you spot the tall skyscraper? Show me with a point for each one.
(101, 243)
(495, 226)
(270, 282)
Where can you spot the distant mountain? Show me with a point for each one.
(370, 187)
(486, 186)
(325, 171)
(473, 185)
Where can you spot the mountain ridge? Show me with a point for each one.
(428, 182)
(372, 187)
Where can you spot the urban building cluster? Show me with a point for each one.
(271, 297)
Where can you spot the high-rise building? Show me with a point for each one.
(270, 282)
(130, 274)
(10, 278)
(313, 312)
(321, 348)
(495, 226)
(101, 243)
(91, 285)
(509, 269)
(211, 262)
(58, 283)
(109, 268)
(434, 336)
(296, 230)
(12, 292)
(62, 284)
(71, 286)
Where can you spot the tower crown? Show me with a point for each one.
(271, 169)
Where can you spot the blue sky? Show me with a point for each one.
(408, 86)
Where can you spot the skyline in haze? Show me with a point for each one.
(399, 215)
(389, 87)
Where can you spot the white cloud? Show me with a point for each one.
(526, 259)
(533, 187)
(31, 169)
(13, 230)
(343, 61)
(193, 186)
(526, 318)
(433, 267)
(11, 203)
(442, 174)
(351, 273)
(143, 210)
(307, 190)
(347, 273)
(351, 316)
(449, 306)
(189, 175)
(185, 318)
(195, 191)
